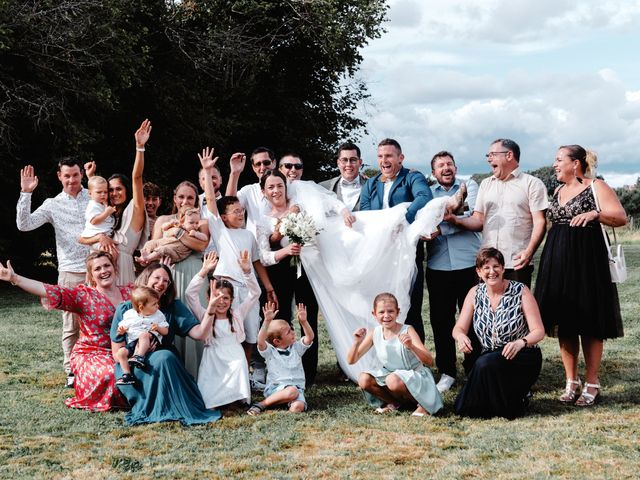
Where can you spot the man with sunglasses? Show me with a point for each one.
(250, 196)
(65, 212)
(348, 185)
(510, 211)
(291, 167)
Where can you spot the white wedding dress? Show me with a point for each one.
(348, 267)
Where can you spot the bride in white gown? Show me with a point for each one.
(348, 267)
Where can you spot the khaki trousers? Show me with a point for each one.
(69, 320)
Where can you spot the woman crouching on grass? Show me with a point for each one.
(164, 390)
(506, 320)
(403, 377)
(95, 304)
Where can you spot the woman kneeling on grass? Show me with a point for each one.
(91, 359)
(164, 390)
(403, 377)
(506, 320)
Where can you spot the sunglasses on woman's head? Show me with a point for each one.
(289, 166)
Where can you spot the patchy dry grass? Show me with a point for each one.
(337, 438)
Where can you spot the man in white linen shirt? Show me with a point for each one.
(250, 196)
(510, 211)
(348, 185)
(65, 212)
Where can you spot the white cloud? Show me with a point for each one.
(456, 74)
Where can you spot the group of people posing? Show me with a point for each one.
(167, 315)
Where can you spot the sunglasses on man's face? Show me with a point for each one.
(289, 166)
(263, 163)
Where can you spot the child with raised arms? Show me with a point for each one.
(283, 355)
(226, 224)
(223, 376)
(144, 325)
(403, 377)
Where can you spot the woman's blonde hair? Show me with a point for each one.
(92, 257)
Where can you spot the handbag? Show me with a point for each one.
(617, 262)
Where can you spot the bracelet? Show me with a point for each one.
(12, 281)
(526, 343)
(138, 149)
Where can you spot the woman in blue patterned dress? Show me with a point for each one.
(506, 320)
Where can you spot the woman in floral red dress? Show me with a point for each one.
(91, 359)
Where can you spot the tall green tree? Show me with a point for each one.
(77, 77)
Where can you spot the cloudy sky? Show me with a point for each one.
(456, 74)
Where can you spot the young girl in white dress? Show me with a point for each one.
(223, 376)
(403, 377)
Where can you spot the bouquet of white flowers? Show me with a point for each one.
(300, 228)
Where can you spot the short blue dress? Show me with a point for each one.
(398, 359)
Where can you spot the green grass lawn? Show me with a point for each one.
(339, 437)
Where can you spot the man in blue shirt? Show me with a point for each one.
(451, 258)
(392, 186)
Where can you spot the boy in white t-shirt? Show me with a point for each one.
(99, 214)
(144, 326)
(226, 225)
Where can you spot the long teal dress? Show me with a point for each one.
(188, 349)
(164, 390)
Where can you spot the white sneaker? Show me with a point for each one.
(445, 383)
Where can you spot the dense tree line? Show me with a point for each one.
(77, 77)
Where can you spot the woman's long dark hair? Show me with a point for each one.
(170, 295)
(126, 183)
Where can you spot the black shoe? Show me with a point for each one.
(137, 361)
(126, 379)
(70, 381)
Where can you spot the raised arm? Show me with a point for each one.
(193, 290)
(269, 313)
(208, 163)
(25, 220)
(30, 286)
(362, 343)
(251, 283)
(141, 136)
(412, 341)
(236, 163)
(304, 323)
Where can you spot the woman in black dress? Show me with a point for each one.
(578, 302)
(505, 317)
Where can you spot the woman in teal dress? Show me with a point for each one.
(164, 390)
(186, 195)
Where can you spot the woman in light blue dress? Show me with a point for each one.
(403, 377)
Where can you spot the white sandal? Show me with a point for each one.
(570, 394)
(587, 399)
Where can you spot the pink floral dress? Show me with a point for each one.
(91, 359)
